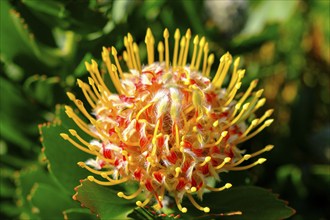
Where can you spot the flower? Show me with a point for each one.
(170, 127)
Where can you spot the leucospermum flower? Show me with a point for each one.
(169, 128)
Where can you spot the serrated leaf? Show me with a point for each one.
(61, 155)
(242, 203)
(49, 201)
(103, 201)
(78, 213)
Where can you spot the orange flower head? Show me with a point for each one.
(168, 127)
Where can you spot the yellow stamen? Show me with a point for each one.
(210, 61)
(226, 186)
(131, 51)
(114, 54)
(137, 56)
(233, 93)
(107, 60)
(82, 85)
(178, 204)
(177, 137)
(176, 47)
(132, 196)
(234, 74)
(206, 160)
(267, 148)
(67, 138)
(253, 84)
(206, 50)
(182, 47)
(266, 124)
(146, 201)
(224, 162)
(259, 161)
(97, 172)
(167, 52)
(244, 158)
(221, 73)
(111, 182)
(193, 201)
(81, 124)
(149, 40)
(253, 124)
(200, 52)
(223, 134)
(188, 36)
(142, 110)
(161, 51)
(193, 59)
(177, 171)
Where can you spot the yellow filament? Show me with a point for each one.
(188, 36)
(167, 53)
(267, 148)
(107, 60)
(67, 138)
(131, 51)
(96, 92)
(178, 204)
(97, 172)
(245, 107)
(233, 93)
(119, 133)
(193, 201)
(98, 76)
(111, 182)
(81, 124)
(177, 137)
(127, 60)
(114, 54)
(142, 110)
(161, 51)
(223, 134)
(210, 61)
(146, 201)
(182, 47)
(253, 124)
(238, 77)
(75, 134)
(200, 52)
(253, 84)
(137, 56)
(116, 81)
(234, 74)
(177, 171)
(226, 186)
(224, 162)
(205, 50)
(149, 40)
(225, 62)
(87, 96)
(266, 124)
(259, 161)
(206, 160)
(132, 196)
(154, 138)
(193, 59)
(266, 115)
(244, 158)
(176, 47)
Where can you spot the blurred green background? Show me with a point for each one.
(284, 43)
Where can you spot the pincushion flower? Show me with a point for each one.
(169, 127)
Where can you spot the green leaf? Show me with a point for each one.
(243, 203)
(42, 88)
(103, 201)
(50, 7)
(63, 156)
(78, 213)
(49, 202)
